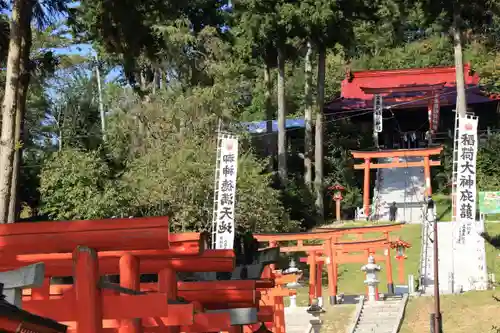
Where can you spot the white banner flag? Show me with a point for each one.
(226, 193)
(466, 175)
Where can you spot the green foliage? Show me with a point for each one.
(342, 137)
(171, 170)
(472, 15)
(76, 185)
(138, 35)
(430, 52)
(486, 61)
(442, 175)
(488, 161)
(74, 113)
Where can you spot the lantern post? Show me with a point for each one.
(400, 246)
(337, 197)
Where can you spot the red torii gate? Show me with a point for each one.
(396, 154)
(128, 247)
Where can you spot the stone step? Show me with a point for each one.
(375, 330)
(372, 325)
(374, 317)
(380, 323)
(382, 303)
(381, 308)
(376, 321)
(387, 314)
(383, 328)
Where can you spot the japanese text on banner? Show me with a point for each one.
(227, 192)
(466, 176)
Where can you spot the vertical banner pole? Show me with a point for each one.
(226, 170)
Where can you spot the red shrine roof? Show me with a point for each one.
(409, 86)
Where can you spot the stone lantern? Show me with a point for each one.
(371, 281)
(292, 269)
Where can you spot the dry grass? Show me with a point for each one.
(338, 318)
(467, 313)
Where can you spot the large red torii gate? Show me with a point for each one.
(426, 163)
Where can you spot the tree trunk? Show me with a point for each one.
(143, 79)
(101, 104)
(318, 151)
(282, 167)
(308, 144)
(270, 147)
(461, 107)
(20, 134)
(9, 108)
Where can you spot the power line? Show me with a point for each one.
(354, 112)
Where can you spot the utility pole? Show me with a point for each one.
(101, 106)
(437, 305)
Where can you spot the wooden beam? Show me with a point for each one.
(234, 292)
(114, 307)
(285, 279)
(414, 88)
(327, 233)
(265, 314)
(232, 285)
(151, 261)
(303, 248)
(209, 322)
(363, 242)
(100, 235)
(279, 292)
(149, 324)
(206, 292)
(418, 152)
(346, 259)
(267, 284)
(217, 296)
(189, 242)
(217, 285)
(203, 322)
(396, 165)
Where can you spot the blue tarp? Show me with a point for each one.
(260, 126)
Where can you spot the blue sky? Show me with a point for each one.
(86, 50)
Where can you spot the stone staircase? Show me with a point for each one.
(405, 186)
(381, 316)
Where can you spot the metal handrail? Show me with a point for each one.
(424, 242)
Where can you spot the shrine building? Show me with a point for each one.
(411, 115)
